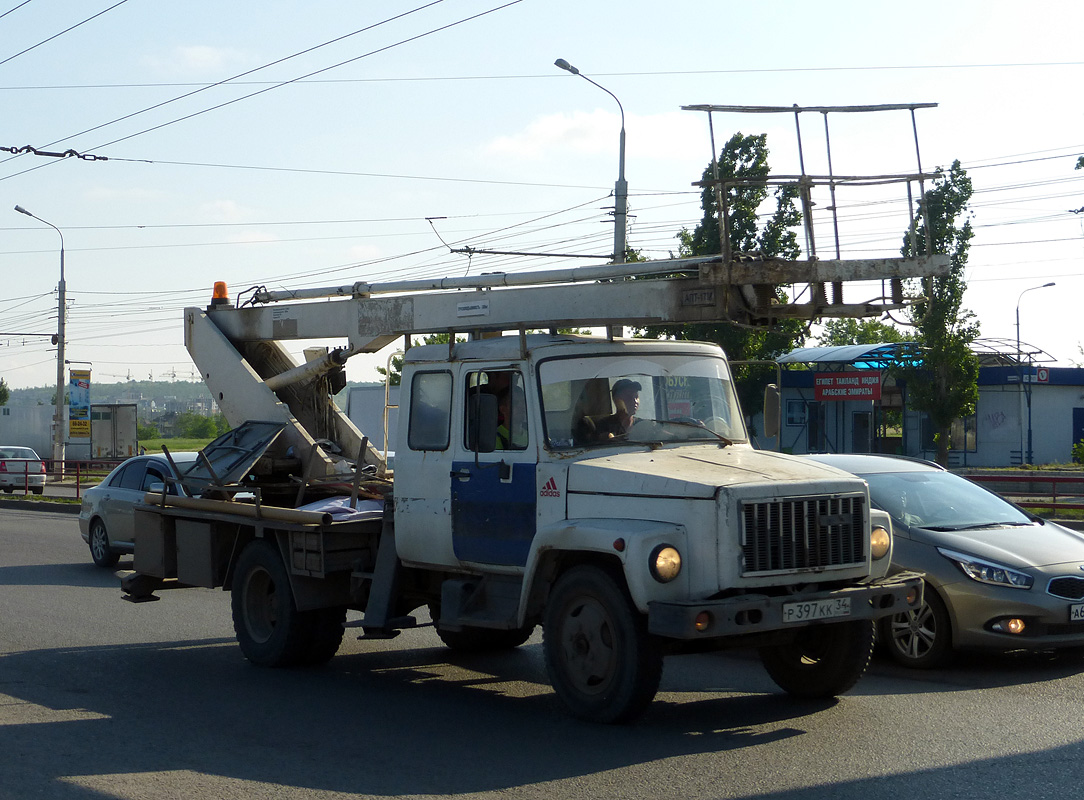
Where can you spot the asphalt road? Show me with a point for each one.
(100, 698)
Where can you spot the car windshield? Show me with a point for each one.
(940, 501)
(18, 452)
(606, 400)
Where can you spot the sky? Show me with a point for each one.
(287, 145)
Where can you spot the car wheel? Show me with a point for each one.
(269, 628)
(39, 490)
(100, 552)
(602, 662)
(921, 638)
(822, 661)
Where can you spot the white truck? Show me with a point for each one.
(604, 488)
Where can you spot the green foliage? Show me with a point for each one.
(744, 157)
(840, 332)
(175, 445)
(5, 393)
(397, 361)
(1078, 452)
(190, 425)
(149, 431)
(945, 386)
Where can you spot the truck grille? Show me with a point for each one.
(803, 533)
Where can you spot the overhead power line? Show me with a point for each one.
(287, 82)
(14, 9)
(548, 76)
(57, 35)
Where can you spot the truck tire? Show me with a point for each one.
(269, 628)
(823, 661)
(100, 552)
(602, 662)
(325, 627)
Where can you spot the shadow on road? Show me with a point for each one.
(401, 720)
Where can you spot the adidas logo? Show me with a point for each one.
(550, 489)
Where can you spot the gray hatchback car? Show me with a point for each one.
(997, 577)
(106, 521)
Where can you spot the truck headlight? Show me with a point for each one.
(880, 542)
(664, 563)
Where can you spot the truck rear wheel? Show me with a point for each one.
(269, 628)
(325, 626)
(601, 660)
(823, 661)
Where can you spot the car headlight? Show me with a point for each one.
(983, 571)
(880, 542)
(664, 563)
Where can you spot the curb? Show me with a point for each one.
(39, 505)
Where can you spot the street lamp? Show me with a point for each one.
(1020, 368)
(58, 416)
(621, 187)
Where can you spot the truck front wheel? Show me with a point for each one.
(602, 662)
(269, 628)
(822, 661)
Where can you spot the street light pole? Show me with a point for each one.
(621, 187)
(58, 415)
(1026, 454)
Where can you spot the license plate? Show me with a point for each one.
(823, 609)
(1076, 612)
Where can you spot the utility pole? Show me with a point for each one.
(621, 186)
(58, 415)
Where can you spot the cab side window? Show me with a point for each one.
(507, 387)
(430, 411)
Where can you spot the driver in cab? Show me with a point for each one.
(626, 397)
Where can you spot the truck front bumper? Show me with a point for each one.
(758, 613)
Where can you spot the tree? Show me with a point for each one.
(945, 385)
(5, 393)
(397, 361)
(840, 332)
(744, 157)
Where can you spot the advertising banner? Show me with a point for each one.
(862, 384)
(79, 404)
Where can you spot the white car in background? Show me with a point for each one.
(21, 469)
(106, 520)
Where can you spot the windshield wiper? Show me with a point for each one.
(724, 442)
(976, 526)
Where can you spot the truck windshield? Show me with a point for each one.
(607, 400)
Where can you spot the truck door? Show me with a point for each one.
(494, 497)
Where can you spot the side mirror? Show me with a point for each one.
(482, 422)
(771, 410)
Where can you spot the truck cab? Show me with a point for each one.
(626, 465)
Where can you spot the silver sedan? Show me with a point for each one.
(106, 521)
(997, 577)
